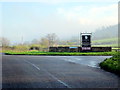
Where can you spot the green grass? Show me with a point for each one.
(58, 53)
(112, 64)
(105, 40)
(110, 42)
(107, 45)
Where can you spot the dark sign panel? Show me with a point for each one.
(86, 38)
(86, 41)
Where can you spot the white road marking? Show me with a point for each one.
(32, 64)
(66, 85)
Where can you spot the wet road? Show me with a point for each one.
(55, 72)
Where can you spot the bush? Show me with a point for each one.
(112, 64)
(21, 47)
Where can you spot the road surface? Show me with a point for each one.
(55, 72)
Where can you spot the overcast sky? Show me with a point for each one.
(66, 18)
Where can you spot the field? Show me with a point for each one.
(109, 41)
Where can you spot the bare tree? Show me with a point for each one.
(4, 42)
(44, 42)
(52, 39)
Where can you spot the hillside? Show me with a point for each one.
(106, 42)
(106, 36)
(106, 33)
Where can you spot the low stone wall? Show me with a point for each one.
(63, 49)
(59, 49)
(101, 49)
(53, 49)
(73, 49)
(79, 49)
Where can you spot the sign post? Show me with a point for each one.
(86, 41)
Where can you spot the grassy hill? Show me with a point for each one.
(106, 32)
(106, 36)
(106, 42)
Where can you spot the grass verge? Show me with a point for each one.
(60, 53)
(112, 64)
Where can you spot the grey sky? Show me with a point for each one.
(66, 18)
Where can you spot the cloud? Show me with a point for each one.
(99, 10)
(92, 16)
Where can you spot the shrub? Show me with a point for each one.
(112, 64)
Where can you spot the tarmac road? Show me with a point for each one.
(55, 72)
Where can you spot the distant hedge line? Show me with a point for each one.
(112, 64)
